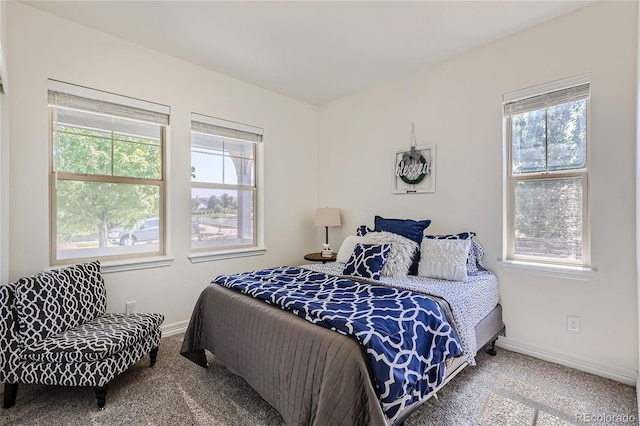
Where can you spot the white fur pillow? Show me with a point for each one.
(347, 247)
(400, 256)
(444, 259)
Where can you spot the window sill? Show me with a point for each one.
(555, 271)
(226, 254)
(132, 265)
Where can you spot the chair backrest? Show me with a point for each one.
(54, 301)
(8, 334)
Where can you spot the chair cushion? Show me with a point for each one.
(52, 302)
(92, 373)
(95, 340)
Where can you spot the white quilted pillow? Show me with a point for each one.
(444, 259)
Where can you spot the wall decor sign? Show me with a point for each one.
(414, 170)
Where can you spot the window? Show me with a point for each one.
(224, 189)
(107, 174)
(547, 173)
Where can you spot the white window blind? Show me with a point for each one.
(65, 95)
(545, 100)
(225, 128)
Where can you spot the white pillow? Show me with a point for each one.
(347, 247)
(444, 259)
(400, 256)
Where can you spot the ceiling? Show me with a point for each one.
(314, 51)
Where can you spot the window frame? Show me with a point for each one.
(509, 251)
(55, 175)
(229, 130)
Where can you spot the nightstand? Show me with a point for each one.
(317, 257)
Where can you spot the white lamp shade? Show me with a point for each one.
(327, 217)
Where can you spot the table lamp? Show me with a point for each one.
(327, 217)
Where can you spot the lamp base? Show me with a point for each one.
(326, 251)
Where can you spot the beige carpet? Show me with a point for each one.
(509, 389)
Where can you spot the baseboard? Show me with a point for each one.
(175, 328)
(623, 375)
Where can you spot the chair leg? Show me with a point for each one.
(153, 355)
(10, 392)
(101, 395)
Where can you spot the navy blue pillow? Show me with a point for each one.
(363, 230)
(367, 260)
(411, 229)
(408, 228)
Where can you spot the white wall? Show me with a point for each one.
(4, 155)
(638, 187)
(4, 164)
(42, 46)
(457, 105)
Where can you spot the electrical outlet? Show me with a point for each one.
(573, 323)
(131, 307)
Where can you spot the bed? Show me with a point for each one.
(311, 370)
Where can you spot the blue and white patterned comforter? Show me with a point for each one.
(405, 335)
(470, 300)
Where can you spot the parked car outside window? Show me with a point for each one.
(147, 231)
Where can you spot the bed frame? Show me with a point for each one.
(298, 367)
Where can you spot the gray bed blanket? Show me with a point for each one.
(311, 375)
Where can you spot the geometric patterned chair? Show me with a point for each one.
(54, 331)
